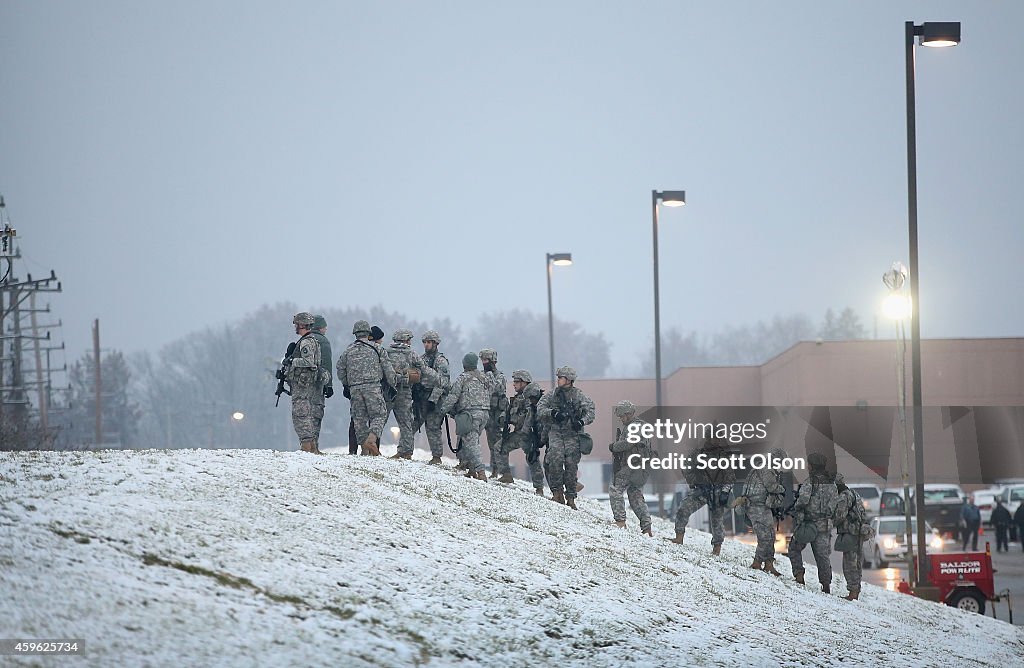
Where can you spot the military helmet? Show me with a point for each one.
(625, 407)
(816, 461)
(319, 322)
(469, 361)
(566, 372)
(432, 335)
(402, 334)
(522, 375)
(303, 319)
(779, 453)
(488, 355)
(361, 327)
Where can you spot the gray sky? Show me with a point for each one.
(180, 164)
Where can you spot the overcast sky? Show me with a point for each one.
(180, 164)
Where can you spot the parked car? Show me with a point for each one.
(889, 543)
(942, 504)
(1012, 497)
(872, 497)
(891, 502)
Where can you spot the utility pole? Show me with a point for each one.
(99, 395)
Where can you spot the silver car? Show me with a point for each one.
(889, 543)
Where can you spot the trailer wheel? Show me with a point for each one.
(969, 600)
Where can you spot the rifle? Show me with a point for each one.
(534, 454)
(508, 419)
(448, 432)
(286, 363)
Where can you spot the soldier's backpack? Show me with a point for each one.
(776, 497)
(859, 528)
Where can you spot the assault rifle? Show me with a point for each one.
(534, 454)
(286, 363)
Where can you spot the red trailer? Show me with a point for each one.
(965, 580)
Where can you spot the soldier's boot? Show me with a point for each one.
(620, 523)
(757, 564)
(539, 491)
(370, 445)
(853, 595)
(716, 549)
(507, 478)
(678, 540)
(799, 577)
(399, 455)
(470, 474)
(307, 446)
(558, 497)
(494, 473)
(769, 567)
(571, 502)
(481, 475)
(647, 532)
(434, 461)
(826, 588)
(460, 466)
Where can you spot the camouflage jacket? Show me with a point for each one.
(325, 357)
(846, 501)
(403, 358)
(817, 498)
(756, 486)
(521, 413)
(365, 363)
(708, 480)
(306, 375)
(470, 391)
(622, 449)
(499, 400)
(570, 399)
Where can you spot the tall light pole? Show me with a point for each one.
(936, 34)
(668, 198)
(562, 260)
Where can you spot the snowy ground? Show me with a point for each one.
(232, 557)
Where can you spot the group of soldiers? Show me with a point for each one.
(418, 389)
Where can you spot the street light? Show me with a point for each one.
(238, 416)
(671, 198)
(935, 34)
(562, 260)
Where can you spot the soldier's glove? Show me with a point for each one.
(328, 392)
(345, 392)
(577, 424)
(739, 501)
(559, 416)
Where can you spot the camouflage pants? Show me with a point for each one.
(821, 548)
(694, 502)
(493, 428)
(853, 562)
(469, 451)
(306, 416)
(764, 528)
(562, 461)
(402, 408)
(622, 482)
(434, 422)
(515, 442)
(369, 412)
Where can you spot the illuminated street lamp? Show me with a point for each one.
(238, 416)
(561, 260)
(671, 198)
(935, 34)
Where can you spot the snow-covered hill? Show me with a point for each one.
(237, 557)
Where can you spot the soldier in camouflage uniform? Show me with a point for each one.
(306, 378)
(849, 518)
(429, 393)
(469, 401)
(522, 420)
(711, 487)
(326, 361)
(409, 369)
(360, 369)
(566, 411)
(815, 504)
(498, 405)
(762, 498)
(628, 479)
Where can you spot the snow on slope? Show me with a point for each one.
(237, 557)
